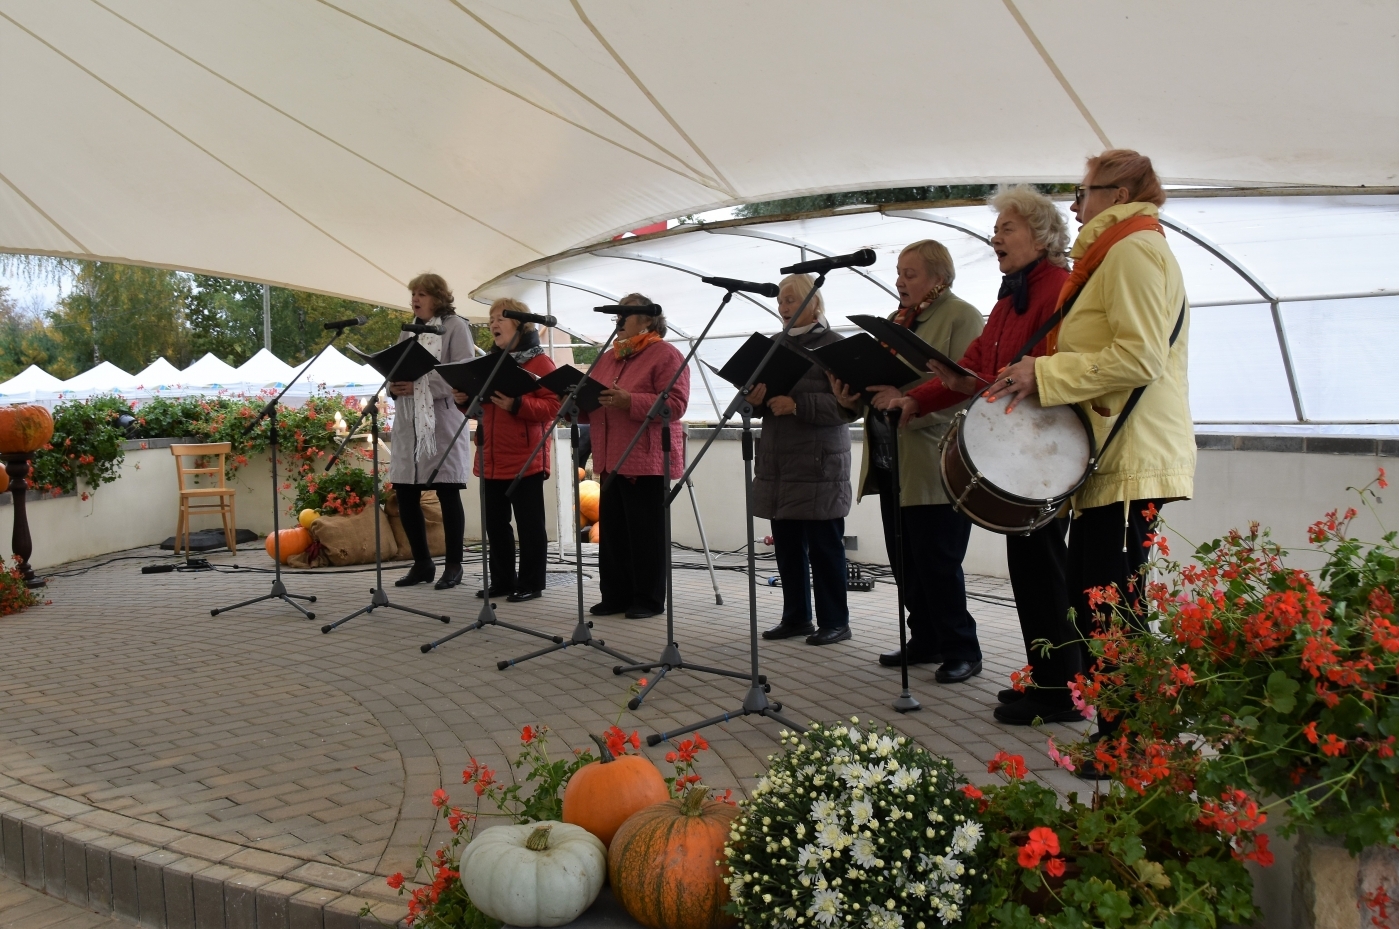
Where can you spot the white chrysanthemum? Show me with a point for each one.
(855, 736)
(881, 918)
(829, 835)
(860, 812)
(809, 858)
(825, 907)
(864, 853)
(885, 747)
(824, 811)
(904, 778)
(965, 837)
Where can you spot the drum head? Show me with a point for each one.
(1034, 452)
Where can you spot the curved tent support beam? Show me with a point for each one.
(941, 221)
(804, 247)
(676, 266)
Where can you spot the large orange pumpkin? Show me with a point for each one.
(588, 500)
(664, 863)
(290, 542)
(24, 428)
(602, 795)
(594, 533)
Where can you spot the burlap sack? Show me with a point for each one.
(432, 515)
(349, 540)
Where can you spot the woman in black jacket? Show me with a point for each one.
(802, 481)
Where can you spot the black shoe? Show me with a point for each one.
(451, 577)
(829, 636)
(642, 612)
(1010, 695)
(496, 592)
(956, 671)
(1025, 712)
(784, 631)
(915, 656)
(417, 575)
(603, 609)
(520, 596)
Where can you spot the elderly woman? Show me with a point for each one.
(1031, 242)
(935, 535)
(632, 556)
(802, 481)
(1124, 335)
(425, 419)
(509, 429)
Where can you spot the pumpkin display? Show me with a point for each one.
(536, 874)
(24, 428)
(307, 517)
(594, 534)
(582, 474)
(588, 500)
(4, 479)
(663, 863)
(289, 542)
(603, 794)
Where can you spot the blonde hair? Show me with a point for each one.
(1046, 223)
(803, 284)
(1123, 167)
(435, 286)
(936, 258)
(657, 322)
(510, 303)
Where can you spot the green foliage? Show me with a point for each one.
(86, 445)
(124, 314)
(343, 492)
(25, 341)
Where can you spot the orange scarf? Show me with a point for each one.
(1085, 266)
(627, 347)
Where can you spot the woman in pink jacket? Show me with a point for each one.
(631, 519)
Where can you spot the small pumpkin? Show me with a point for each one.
(307, 517)
(582, 474)
(588, 500)
(663, 863)
(536, 874)
(603, 794)
(290, 542)
(4, 479)
(24, 428)
(594, 533)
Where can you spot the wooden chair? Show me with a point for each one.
(220, 494)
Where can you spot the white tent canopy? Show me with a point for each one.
(159, 373)
(210, 371)
(29, 385)
(344, 146)
(104, 378)
(265, 370)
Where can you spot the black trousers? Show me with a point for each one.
(811, 556)
(528, 506)
(410, 513)
(1037, 564)
(631, 544)
(934, 589)
(1106, 548)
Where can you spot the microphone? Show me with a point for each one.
(420, 328)
(728, 283)
(861, 259)
(652, 309)
(343, 324)
(530, 318)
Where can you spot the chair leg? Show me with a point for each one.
(181, 523)
(233, 520)
(224, 511)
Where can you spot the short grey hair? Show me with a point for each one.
(657, 323)
(1046, 223)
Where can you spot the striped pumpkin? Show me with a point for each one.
(664, 863)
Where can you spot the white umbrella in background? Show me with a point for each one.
(31, 384)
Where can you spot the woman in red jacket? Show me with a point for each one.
(507, 432)
(632, 555)
(1031, 243)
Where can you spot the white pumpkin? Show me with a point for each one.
(537, 874)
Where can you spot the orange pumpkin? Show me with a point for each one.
(582, 474)
(588, 500)
(602, 795)
(663, 863)
(24, 428)
(594, 534)
(290, 542)
(4, 479)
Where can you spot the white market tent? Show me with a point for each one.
(104, 378)
(29, 385)
(211, 373)
(156, 375)
(265, 370)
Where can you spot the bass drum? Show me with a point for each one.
(1011, 473)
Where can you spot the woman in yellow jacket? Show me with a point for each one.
(1126, 329)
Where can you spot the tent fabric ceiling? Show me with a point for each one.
(342, 146)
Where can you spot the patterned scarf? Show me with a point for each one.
(908, 314)
(1085, 266)
(424, 416)
(625, 348)
(1017, 285)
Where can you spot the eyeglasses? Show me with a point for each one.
(1080, 190)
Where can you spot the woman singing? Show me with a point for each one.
(425, 419)
(935, 535)
(509, 430)
(1126, 328)
(632, 556)
(1031, 242)
(802, 481)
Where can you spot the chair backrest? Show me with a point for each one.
(200, 450)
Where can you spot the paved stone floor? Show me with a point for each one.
(250, 750)
(23, 907)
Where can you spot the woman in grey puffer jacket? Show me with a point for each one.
(802, 482)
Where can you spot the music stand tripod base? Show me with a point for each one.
(487, 618)
(279, 592)
(755, 704)
(380, 599)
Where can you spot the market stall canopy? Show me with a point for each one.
(344, 146)
(265, 370)
(159, 373)
(210, 371)
(104, 378)
(333, 371)
(28, 385)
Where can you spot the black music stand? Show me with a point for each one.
(905, 702)
(378, 598)
(269, 412)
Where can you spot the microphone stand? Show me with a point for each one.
(755, 703)
(906, 702)
(487, 615)
(269, 413)
(670, 658)
(378, 597)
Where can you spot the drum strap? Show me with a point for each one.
(1137, 393)
(1054, 319)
